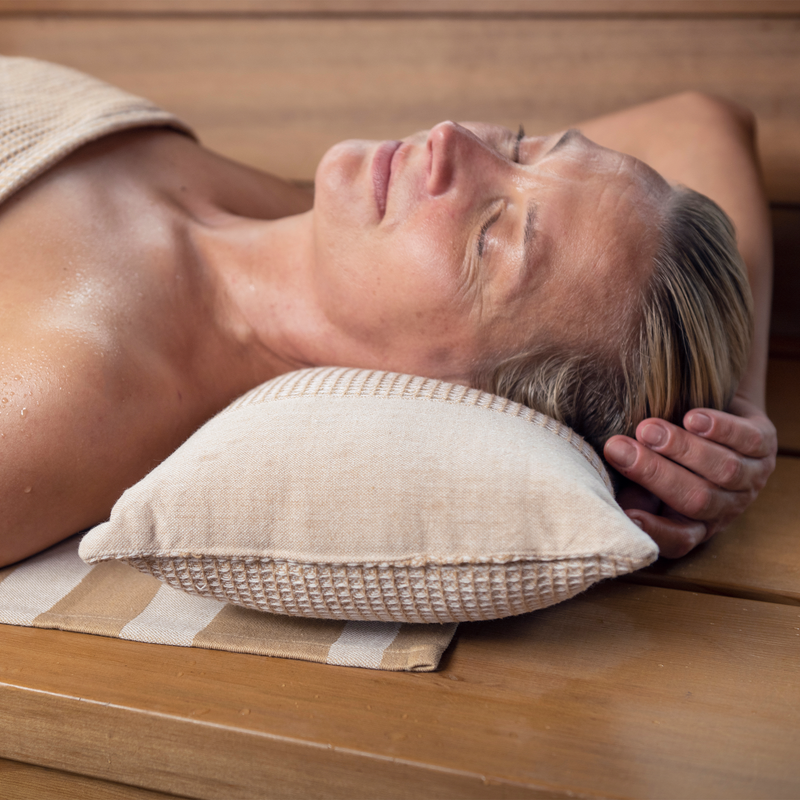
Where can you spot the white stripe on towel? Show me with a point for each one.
(362, 644)
(171, 617)
(39, 583)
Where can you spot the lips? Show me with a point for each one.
(381, 173)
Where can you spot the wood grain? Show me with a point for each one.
(394, 7)
(758, 556)
(20, 781)
(277, 93)
(626, 691)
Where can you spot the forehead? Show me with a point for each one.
(603, 221)
(626, 172)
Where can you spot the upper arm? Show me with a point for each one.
(52, 481)
(708, 144)
(37, 467)
(74, 437)
(704, 142)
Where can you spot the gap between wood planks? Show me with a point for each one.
(499, 9)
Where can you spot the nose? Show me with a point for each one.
(452, 148)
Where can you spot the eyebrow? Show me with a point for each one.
(529, 228)
(527, 240)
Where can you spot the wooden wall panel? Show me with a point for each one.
(783, 400)
(786, 288)
(277, 93)
(426, 7)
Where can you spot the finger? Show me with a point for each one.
(751, 436)
(718, 464)
(674, 539)
(686, 492)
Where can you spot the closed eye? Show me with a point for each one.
(485, 228)
(517, 142)
(489, 222)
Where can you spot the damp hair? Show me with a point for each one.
(687, 348)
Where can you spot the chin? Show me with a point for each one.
(342, 165)
(344, 200)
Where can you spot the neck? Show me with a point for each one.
(264, 299)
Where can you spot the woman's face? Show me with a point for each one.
(467, 242)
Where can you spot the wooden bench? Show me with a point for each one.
(680, 681)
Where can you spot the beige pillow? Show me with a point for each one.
(352, 494)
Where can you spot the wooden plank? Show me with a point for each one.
(783, 402)
(626, 691)
(785, 324)
(29, 782)
(394, 7)
(276, 93)
(784, 347)
(757, 557)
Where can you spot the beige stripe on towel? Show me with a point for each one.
(57, 590)
(245, 630)
(95, 604)
(416, 646)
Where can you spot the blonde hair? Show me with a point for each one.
(688, 349)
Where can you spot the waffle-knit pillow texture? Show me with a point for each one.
(362, 495)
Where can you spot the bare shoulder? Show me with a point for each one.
(77, 427)
(42, 490)
(105, 313)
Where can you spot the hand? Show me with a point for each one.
(691, 482)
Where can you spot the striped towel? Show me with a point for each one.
(57, 590)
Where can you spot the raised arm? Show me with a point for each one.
(695, 480)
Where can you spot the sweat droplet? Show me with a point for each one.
(23, 412)
(28, 489)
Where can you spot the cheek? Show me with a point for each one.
(416, 278)
(400, 280)
(432, 254)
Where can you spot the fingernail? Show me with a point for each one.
(621, 453)
(653, 434)
(699, 423)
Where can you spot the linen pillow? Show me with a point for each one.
(363, 495)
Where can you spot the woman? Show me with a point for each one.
(148, 282)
